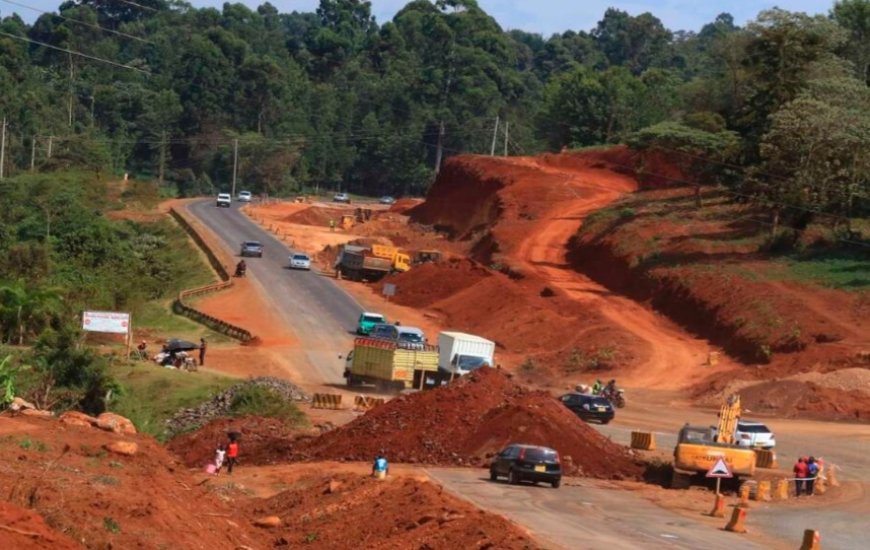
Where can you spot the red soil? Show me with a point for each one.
(352, 511)
(316, 215)
(793, 399)
(428, 283)
(402, 206)
(27, 530)
(467, 422)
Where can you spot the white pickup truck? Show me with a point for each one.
(224, 200)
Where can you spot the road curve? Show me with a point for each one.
(320, 313)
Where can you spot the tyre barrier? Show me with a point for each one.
(366, 403)
(812, 540)
(765, 459)
(643, 440)
(737, 523)
(326, 401)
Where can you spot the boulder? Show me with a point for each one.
(126, 448)
(19, 404)
(36, 412)
(268, 521)
(112, 422)
(76, 418)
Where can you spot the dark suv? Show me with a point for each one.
(527, 463)
(252, 248)
(589, 407)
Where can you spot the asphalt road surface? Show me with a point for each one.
(322, 315)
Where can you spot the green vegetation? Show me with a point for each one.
(262, 401)
(110, 525)
(844, 270)
(150, 395)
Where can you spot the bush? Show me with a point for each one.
(262, 401)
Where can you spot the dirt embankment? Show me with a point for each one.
(25, 529)
(352, 511)
(468, 421)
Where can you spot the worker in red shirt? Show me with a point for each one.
(801, 471)
(232, 454)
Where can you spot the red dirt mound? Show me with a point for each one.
(27, 530)
(428, 283)
(316, 215)
(259, 436)
(793, 399)
(349, 511)
(468, 421)
(402, 206)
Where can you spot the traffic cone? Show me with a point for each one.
(812, 540)
(744, 496)
(718, 510)
(737, 524)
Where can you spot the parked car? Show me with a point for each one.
(387, 200)
(252, 248)
(405, 337)
(754, 434)
(224, 200)
(367, 321)
(300, 261)
(245, 196)
(341, 197)
(527, 463)
(589, 407)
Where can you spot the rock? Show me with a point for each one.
(126, 448)
(35, 412)
(19, 404)
(268, 522)
(112, 422)
(332, 487)
(76, 418)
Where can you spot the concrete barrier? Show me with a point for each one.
(780, 491)
(643, 440)
(366, 403)
(326, 401)
(765, 459)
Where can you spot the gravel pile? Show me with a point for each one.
(193, 418)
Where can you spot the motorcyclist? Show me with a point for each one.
(241, 268)
(610, 388)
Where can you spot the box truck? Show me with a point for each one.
(389, 366)
(460, 353)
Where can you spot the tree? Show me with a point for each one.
(854, 16)
(636, 43)
(26, 310)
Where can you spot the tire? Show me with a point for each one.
(605, 422)
(556, 483)
(513, 478)
(680, 480)
(492, 475)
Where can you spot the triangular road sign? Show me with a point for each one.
(720, 469)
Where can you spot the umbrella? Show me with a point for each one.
(234, 436)
(180, 345)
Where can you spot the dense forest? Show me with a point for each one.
(334, 99)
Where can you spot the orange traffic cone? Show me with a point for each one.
(718, 510)
(812, 540)
(737, 524)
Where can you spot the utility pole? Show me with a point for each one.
(506, 128)
(439, 148)
(33, 154)
(162, 158)
(494, 135)
(235, 164)
(50, 139)
(3, 148)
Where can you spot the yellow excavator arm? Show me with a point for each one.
(728, 417)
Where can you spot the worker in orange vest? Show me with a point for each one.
(232, 454)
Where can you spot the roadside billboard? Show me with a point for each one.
(106, 321)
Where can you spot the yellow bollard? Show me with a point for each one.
(781, 490)
(762, 491)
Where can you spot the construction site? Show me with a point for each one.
(561, 269)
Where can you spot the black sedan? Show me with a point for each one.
(527, 463)
(589, 407)
(252, 248)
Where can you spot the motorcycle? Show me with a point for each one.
(616, 397)
(240, 270)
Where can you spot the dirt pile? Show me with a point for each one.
(316, 215)
(27, 530)
(428, 283)
(794, 399)
(108, 500)
(350, 511)
(260, 437)
(468, 421)
(402, 206)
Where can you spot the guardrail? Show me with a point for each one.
(181, 308)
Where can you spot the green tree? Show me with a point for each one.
(26, 310)
(854, 16)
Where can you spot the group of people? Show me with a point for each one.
(172, 357)
(806, 470)
(598, 388)
(225, 454)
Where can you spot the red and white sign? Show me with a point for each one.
(106, 321)
(720, 469)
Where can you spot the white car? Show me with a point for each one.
(300, 261)
(224, 200)
(754, 435)
(341, 197)
(245, 196)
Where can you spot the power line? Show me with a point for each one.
(149, 8)
(80, 22)
(73, 52)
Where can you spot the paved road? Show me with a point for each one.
(321, 314)
(589, 517)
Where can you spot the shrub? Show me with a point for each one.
(262, 401)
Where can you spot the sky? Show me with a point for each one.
(541, 16)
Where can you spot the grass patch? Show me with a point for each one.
(262, 401)
(841, 270)
(157, 318)
(110, 525)
(153, 394)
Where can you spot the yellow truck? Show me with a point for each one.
(400, 260)
(388, 365)
(699, 448)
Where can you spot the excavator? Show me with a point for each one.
(699, 448)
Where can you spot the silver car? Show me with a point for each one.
(754, 435)
(300, 261)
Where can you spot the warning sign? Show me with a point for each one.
(720, 469)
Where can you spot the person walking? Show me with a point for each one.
(219, 457)
(800, 475)
(380, 467)
(202, 347)
(812, 474)
(232, 454)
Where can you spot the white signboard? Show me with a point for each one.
(389, 289)
(106, 321)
